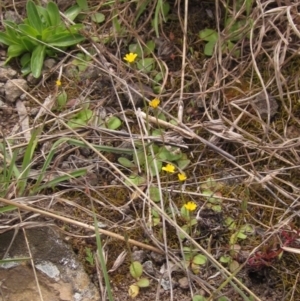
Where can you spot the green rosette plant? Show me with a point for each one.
(41, 34)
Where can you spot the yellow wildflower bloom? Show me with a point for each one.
(169, 168)
(190, 206)
(58, 83)
(130, 57)
(182, 177)
(154, 103)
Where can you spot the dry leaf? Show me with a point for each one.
(24, 120)
(120, 259)
(47, 105)
(133, 290)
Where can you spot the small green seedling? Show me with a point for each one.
(147, 64)
(241, 233)
(189, 219)
(62, 99)
(143, 158)
(136, 271)
(81, 118)
(228, 260)
(233, 32)
(194, 259)
(89, 257)
(214, 197)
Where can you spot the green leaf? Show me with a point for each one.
(28, 44)
(233, 266)
(7, 40)
(65, 39)
(76, 122)
(183, 163)
(150, 46)
(113, 123)
(146, 64)
(247, 228)
(85, 114)
(62, 99)
(225, 259)
(136, 48)
(143, 282)
(152, 164)
(207, 193)
(53, 13)
(223, 298)
(199, 298)
(37, 60)
(210, 183)
(162, 116)
(15, 50)
(154, 213)
(185, 213)
(193, 222)
(116, 24)
(200, 259)
(230, 223)
(158, 77)
(83, 4)
(165, 9)
(136, 269)
(241, 235)
(209, 35)
(125, 162)
(185, 228)
(139, 158)
(135, 180)
(248, 6)
(28, 30)
(209, 48)
(154, 194)
(72, 12)
(169, 154)
(33, 16)
(216, 208)
(157, 132)
(155, 221)
(98, 17)
(141, 6)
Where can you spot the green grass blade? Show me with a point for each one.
(4, 261)
(72, 175)
(101, 257)
(7, 209)
(7, 173)
(25, 169)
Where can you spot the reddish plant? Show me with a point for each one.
(270, 254)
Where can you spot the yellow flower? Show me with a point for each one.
(130, 57)
(182, 177)
(169, 168)
(190, 206)
(154, 103)
(58, 83)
